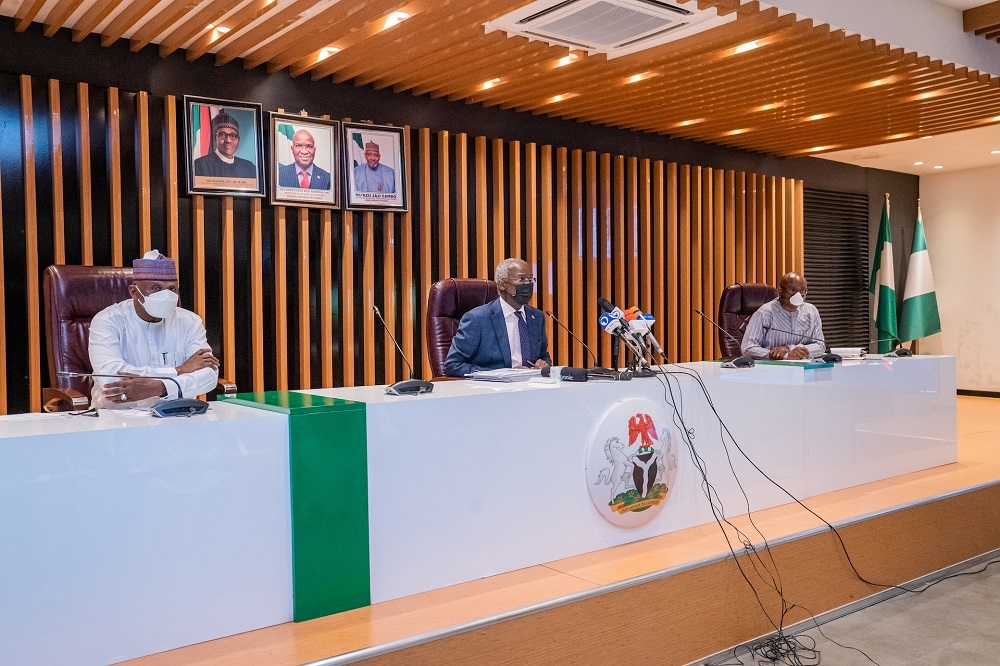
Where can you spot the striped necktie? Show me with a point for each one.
(522, 332)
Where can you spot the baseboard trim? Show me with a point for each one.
(979, 394)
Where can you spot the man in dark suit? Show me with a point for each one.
(302, 173)
(505, 333)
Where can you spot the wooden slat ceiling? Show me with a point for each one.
(766, 82)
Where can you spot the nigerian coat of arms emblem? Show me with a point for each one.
(632, 462)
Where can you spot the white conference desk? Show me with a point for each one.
(124, 536)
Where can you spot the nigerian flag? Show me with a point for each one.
(283, 143)
(920, 311)
(883, 286)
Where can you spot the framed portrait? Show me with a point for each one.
(224, 142)
(305, 161)
(374, 167)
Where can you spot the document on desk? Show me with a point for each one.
(506, 374)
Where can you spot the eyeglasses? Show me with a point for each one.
(522, 280)
(227, 136)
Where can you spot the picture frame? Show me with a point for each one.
(382, 186)
(303, 143)
(224, 147)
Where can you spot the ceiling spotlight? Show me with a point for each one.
(686, 123)
(737, 131)
(927, 137)
(560, 98)
(819, 116)
(917, 163)
(938, 167)
(492, 82)
(571, 58)
(768, 107)
(995, 152)
(635, 78)
(394, 18)
(748, 46)
(327, 51)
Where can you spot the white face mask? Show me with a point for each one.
(796, 300)
(160, 304)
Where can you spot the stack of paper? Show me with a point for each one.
(506, 374)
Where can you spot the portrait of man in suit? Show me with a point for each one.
(305, 161)
(504, 333)
(303, 172)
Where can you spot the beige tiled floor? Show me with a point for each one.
(979, 462)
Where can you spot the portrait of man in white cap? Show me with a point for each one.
(373, 176)
(222, 161)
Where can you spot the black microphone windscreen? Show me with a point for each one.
(605, 304)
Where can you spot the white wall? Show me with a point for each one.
(961, 213)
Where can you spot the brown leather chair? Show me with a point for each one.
(73, 295)
(447, 301)
(736, 305)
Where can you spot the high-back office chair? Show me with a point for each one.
(447, 301)
(73, 295)
(736, 305)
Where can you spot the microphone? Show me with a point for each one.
(179, 406)
(827, 358)
(614, 323)
(565, 373)
(411, 386)
(642, 323)
(738, 362)
(548, 313)
(899, 352)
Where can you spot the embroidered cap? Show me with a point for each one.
(371, 145)
(154, 266)
(223, 119)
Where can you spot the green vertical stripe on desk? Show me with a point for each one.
(328, 463)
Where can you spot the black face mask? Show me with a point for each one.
(523, 293)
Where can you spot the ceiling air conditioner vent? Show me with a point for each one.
(614, 27)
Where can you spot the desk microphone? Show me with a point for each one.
(738, 362)
(593, 357)
(179, 406)
(899, 352)
(411, 386)
(827, 358)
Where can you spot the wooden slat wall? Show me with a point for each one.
(665, 237)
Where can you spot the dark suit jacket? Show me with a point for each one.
(288, 177)
(481, 341)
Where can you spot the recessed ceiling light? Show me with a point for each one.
(635, 78)
(819, 148)
(560, 98)
(818, 116)
(893, 137)
(492, 82)
(686, 123)
(222, 29)
(327, 51)
(768, 107)
(927, 137)
(995, 152)
(748, 46)
(917, 163)
(737, 131)
(938, 167)
(394, 18)
(571, 58)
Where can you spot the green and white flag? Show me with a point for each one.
(920, 316)
(283, 143)
(883, 286)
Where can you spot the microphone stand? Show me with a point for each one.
(411, 386)
(596, 371)
(738, 362)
